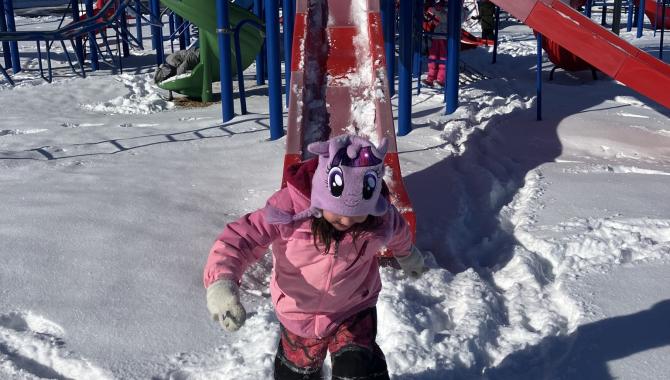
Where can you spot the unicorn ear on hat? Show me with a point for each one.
(319, 148)
(380, 151)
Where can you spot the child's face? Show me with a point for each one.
(341, 222)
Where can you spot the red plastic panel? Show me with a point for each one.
(341, 53)
(562, 58)
(518, 8)
(298, 40)
(586, 23)
(641, 77)
(289, 159)
(339, 59)
(399, 197)
(295, 114)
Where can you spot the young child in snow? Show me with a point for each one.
(435, 20)
(326, 228)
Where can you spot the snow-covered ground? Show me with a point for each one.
(550, 240)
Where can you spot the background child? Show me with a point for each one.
(487, 12)
(435, 20)
(326, 227)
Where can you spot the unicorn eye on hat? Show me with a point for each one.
(347, 181)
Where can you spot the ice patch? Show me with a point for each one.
(626, 114)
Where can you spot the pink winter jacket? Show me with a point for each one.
(312, 292)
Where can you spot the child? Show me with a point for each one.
(326, 227)
(487, 12)
(435, 20)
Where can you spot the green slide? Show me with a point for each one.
(198, 84)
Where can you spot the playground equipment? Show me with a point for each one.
(110, 15)
(653, 9)
(202, 13)
(595, 45)
(341, 86)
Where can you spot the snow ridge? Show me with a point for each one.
(32, 347)
(143, 98)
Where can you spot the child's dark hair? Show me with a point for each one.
(325, 233)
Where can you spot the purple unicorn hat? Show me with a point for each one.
(347, 181)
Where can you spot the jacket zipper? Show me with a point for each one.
(328, 282)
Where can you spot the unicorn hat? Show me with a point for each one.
(348, 178)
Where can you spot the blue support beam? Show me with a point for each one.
(11, 27)
(138, 22)
(629, 21)
(3, 28)
(405, 72)
(288, 13)
(640, 19)
(92, 40)
(453, 54)
(660, 50)
(260, 60)
(388, 28)
(156, 31)
(79, 44)
(495, 36)
(539, 76)
(225, 62)
(274, 71)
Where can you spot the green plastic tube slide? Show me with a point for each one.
(198, 83)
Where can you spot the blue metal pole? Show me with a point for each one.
(453, 53)
(539, 76)
(603, 15)
(138, 22)
(260, 61)
(274, 72)
(629, 20)
(157, 31)
(405, 72)
(288, 11)
(182, 31)
(587, 8)
(660, 50)
(3, 28)
(417, 36)
(223, 32)
(640, 19)
(124, 34)
(171, 22)
(79, 44)
(11, 27)
(495, 36)
(388, 27)
(92, 39)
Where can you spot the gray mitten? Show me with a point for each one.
(412, 264)
(223, 302)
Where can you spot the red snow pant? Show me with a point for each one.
(353, 352)
(438, 50)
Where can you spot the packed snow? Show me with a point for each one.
(547, 242)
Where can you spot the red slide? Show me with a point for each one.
(339, 84)
(594, 44)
